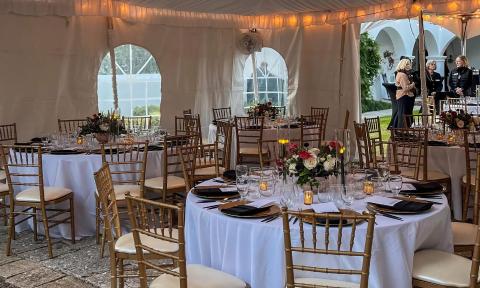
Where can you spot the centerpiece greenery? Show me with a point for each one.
(458, 120)
(103, 125)
(263, 109)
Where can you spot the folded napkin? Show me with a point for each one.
(412, 206)
(436, 143)
(292, 126)
(245, 210)
(425, 187)
(37, 139)
(214, 192)
(65, 152)
(230, 175)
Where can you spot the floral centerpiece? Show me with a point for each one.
(459, 120)
(309, 164)
(102, 126)
(263, 109)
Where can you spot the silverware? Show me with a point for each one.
(266, 219)
(274, 218)
(206, 201)
(270, 219)
(295, 221)
(390, 216)
(290, 219)
(212, 206)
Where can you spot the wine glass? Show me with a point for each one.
(242, 186)
(395, 184)
(241, 170)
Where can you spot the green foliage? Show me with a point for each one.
(370, 60)
(153, 110)
(373, 105)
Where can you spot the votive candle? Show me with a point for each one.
(263, 186)
(308, 197)
(368, 187)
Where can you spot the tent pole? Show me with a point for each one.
(464, 34)
(421, 54)
(342, 55)
(111, 51)
(255, 79)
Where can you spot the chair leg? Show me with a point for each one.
(113, 271)
(466, 196)
(121, 271)
(72, 220)
(102, 245)
(4, 210)
(34, 218)
(97, 220)
(47, 232)
(11, 232)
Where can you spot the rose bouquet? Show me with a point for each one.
(100, 123)
(309, 164)
(458, 120)
(263, 109)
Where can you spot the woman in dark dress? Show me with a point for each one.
(405, 93)
(461, 78)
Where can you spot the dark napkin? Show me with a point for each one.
(333, 222)
(65, 152)
(213, 192)
(474, 145)
(230, 175)
(254, 127)
(436, 143)
(427, 187)
(152, 148)
(244, 210)
(292, 126)
(37, 139)
(409, 206)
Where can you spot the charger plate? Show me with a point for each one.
(334, 222)
(220, 196)
(383, 209)
(273, 210)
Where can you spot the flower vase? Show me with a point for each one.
(102, 138)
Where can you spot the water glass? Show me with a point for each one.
(241, 170)
(383, 170)
(253, 183)
(242, 186)
(348, 194)
(395, 184)
(323, 193)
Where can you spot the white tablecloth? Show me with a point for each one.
(254, 251)
(451, 161)
(76, 173)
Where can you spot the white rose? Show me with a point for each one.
(310, 163)
(314, 151)
(329, 165)
(292, 168)
(322, 159)
(476, 120)
(329, 156)
(460, 124)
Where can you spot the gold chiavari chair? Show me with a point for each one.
(471, 144)
(435, 268)
(70, 126)
(207, 162)
(172, 181)
(8, 136)
(317, 111)
(464, 234)
(249, 135)
(343, 246)
(158, 225)
(137, 122)
(273, 149)
(375, 142)
(457, 104)
(23, 165)
(187, 112)
(188, 160)
(121, 247)
(410, 151)
(188, 125)
(419, 120)
(221, 114)
(127, 163)
(311, 130)
(224, 140)
(363, 148)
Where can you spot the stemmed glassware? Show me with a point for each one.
(395, 184)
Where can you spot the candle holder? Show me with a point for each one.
(308, 197)
(368, 187)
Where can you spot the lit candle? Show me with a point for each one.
(80, 140)
(368, 187)
(263, 186)
(308, 197)
(283, 141)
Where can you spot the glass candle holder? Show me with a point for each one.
(368, 187)
(308, 197)
(263, 186)
(80, 140)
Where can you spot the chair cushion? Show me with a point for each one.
(50, 193)
(173, 182)
(251, 150)
(326, 282)
(464, 233)
(121, 190)
(3, 187)
(208, 171)
(472, 179)
(126, 244)
(199, 276)
(441, 268)
(3, 176)
(431, 174)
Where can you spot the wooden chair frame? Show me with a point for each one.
(222, 113)
(321, 111)
(249, 132)
(70, 126)
(312, 130)
(8, 135)
(471, 144)
(30, 158)
(144, 122)
(224, 140)
(363, 148)
(375, 142)
(327, 250)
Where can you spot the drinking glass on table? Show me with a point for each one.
(395, 184)
(241, 170)
(242, 186)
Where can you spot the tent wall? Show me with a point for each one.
(52, 67)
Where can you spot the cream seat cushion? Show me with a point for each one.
(126, 244)
(251, 150)
(431, 174)
(208, 171)
(464, 233)
(3, 176)
(473, 179)
(441, 268)
(327, 283)
(173, 182)
(3, 187)
(199, 276)
(121, 190)
(50, 193)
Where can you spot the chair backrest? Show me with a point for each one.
(224, 140)
(8, 134)
(156, 220)
(127, 162)
(343, 246)
(222, 113)
(471, 145)
(419, 120)
(187, 112)
(280, 110)
(432, 110)
(23, 168)
(108, 203)
(311, 130)
(374, 134)
(248, 131)
(457, 104)
(70, 126)
(318, 111)
(137, 122)
(188, 125)
(363, 147)
(410, 150)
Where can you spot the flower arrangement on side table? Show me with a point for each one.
(459, 120)
(102, 126)
(263, 109)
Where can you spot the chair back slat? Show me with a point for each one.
(319, 111)
(374, 134)
(222, 113)
(137, 122)
(410, 150)
(471, 144)
(311, 130)
(343, 245)
(419, 120)
(70, 126)
(363, 148)
(224, 140)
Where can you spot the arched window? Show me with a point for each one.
(272, 78)
(138, 83)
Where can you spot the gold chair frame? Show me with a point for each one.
(70, 125)
(321, 111)
(144, 122)
(222, 113)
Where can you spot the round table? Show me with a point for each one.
(75, 172)
(254, 251)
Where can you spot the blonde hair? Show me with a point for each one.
(402, 65)
(464, 59)
(430, 62)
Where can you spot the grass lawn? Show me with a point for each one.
(384, 121)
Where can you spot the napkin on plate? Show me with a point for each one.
(400, 205)
(245, 210)
(230, 175)
(215, 192)
(421, 187)
(436, 143)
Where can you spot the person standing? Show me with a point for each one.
(434, 83)
(405, 93)
(461, 78)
